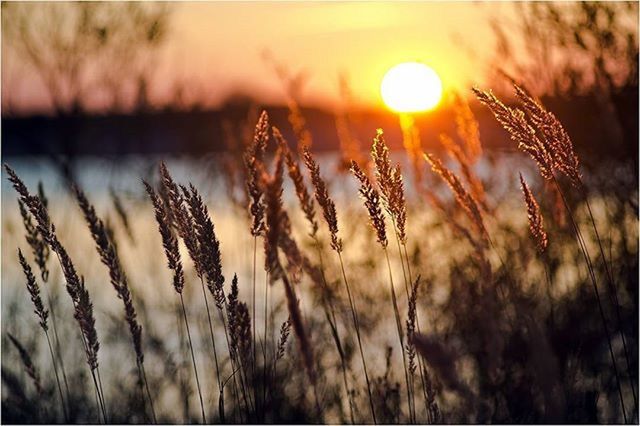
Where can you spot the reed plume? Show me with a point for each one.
(273, 194)
(376, 218)
(556, 137)
(108, 253)
(566, 162)
(290, 248)
(411, 326)
(109, 257)
(329, 213)
(536, 223)
(169, 240)
(252, 160)
(43, 315)
(34, 292)
(41, 253)
(172, 252)
(457, 154)
(349, 144)
(464, 199)
(304, 197)
(285, 329)
(322, 197)
(37, 243)
(232, 305)
(208, 243)
(390, 183)
(292, 85)
(183, 220)
(371, 200)
(243, 333)
(515, 123)
(555, 152)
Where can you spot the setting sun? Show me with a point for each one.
(411, 87)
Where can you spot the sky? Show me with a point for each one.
(218, 48)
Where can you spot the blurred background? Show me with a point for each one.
(112, 79)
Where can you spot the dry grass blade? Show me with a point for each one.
(274, 229)
(170, 243)
(390, 182)
(372, 203)
(83, 308)
(34, 292)
(252, 163)
(260, 137)
(37, 243)
(536, 223)
(208, 243)
(242, 332)
(456, 153)
(411, 325)
(34, 204)
(169, 240)
(232, 306)
(304, 197)
(383, 172)
(183, 218)
(322, 197)
(109, 256)
(43, 314)
(464, 199)
(285, 329)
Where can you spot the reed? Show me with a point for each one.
(211, 263)
(82, 305)
(307, 205)
(109, 256)
(274, 220)
(253, 158)
(534, 216)
(41, 253)
(475, 184)
(170, 244)
(43, 316)
(566, 163)
(331, 218)
(391, 186)
(371, 200)
(464, 199)
(553, 152)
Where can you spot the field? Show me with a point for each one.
(462, 286)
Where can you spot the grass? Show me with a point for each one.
(500, 322)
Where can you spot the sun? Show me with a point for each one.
(411, 87)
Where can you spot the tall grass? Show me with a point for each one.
(489, 348)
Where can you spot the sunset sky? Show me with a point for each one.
(217, 49)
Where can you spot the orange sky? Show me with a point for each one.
(216, 48)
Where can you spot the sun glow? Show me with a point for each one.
(411, 87)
